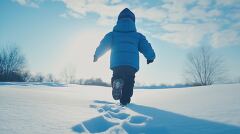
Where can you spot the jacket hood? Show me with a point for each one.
(125, 22)
(126, 13)
(125, 25)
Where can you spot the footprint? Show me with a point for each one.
(136, 124)
(100, 110)
(107, 115)
(102, 102)
(93, 106)
(79, 128)
(133, 128)
(111, 108)
(143, 128)
(138, 119)
(98, 124)
(113, 119)
(120, 116)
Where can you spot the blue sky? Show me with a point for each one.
(58, 34)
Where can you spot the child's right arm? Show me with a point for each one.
(104, 46)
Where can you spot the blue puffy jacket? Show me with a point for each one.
(125, 44)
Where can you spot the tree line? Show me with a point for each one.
(12, 64)
(203, 67)
(13, 68)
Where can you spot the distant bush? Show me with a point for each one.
(37, 78)
(92, 81)
(12, 64)
(196, 84)
(50, 78)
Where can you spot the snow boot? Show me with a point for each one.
(117, 87)
(125, 101)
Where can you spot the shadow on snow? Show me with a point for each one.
(117, 120)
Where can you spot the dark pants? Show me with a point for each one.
(127, 74)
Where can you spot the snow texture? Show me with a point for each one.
(46, 108)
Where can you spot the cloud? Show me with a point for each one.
(204, 3)
(225, 38)
(115, 1)
(184, 23)
(105, 21)
(22, 2)
(153, 14)
(29, 3)
(226, 2)
(100, 7)
(64, 15)
(176, 11)
(198, 13)
(187, 35)
(71, 14)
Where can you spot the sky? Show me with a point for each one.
(59, 34)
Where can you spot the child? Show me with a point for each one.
(125, 44)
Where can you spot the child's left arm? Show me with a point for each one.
(103, 47)
(146, 49)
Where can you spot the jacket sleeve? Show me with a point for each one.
(104, 45)
(145, 48)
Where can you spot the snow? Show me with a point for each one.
(47, 108)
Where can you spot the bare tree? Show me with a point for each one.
(38, 78)
(204, 67)
(68, 74)
(12, 64)
(50, 78)
(26, 76)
